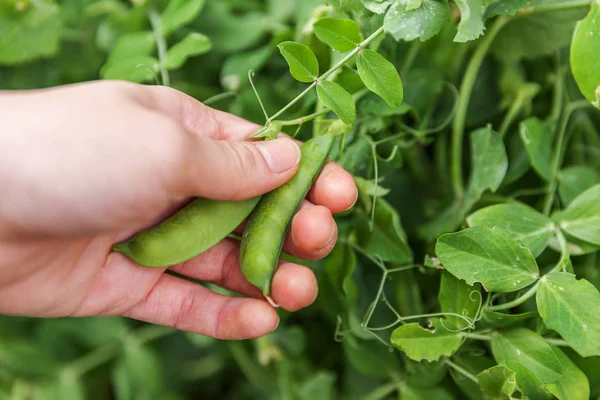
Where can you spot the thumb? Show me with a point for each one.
(239, 170)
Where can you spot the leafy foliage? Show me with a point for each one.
(436, 289)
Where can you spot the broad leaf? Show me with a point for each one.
(380, 76)
(341, 34)
(411, 393)
(489, 256)
(526, 224)
(571, 308)
(303, 63)
(179, 13)
(194, 44)
(573, 385)
(29, 35)
(419, 343)
(422, 23)
(538, 143)
(370, 357)
(320, 386)
(457, 297)
(132, 45)
(582, 218)
(574, 180)
(472, 361)
(425, 374)
(377, 6)
(471, 24)
(520, 349)
(498, 382)
(585, 55)
(338, 100)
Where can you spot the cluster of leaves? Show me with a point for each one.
(437, 288)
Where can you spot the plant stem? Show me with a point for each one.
(161, 46)
(557, 342)
(466, 88)
(476, 336)
(513, 112)
(219, 97)
(330, 71)
(554, 7)
(462, 371)
(306, 118)
(518, 301)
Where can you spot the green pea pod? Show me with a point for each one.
(270, 221)
(191, 231)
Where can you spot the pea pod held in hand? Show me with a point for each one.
(270, 221)
(191, 231)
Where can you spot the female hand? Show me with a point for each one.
(85, 166)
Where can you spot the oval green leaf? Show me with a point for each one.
(457, 297)
(498, 382)
(582, 218)
(538, 143)
(419, 343)
(574, 180)
(338, 100)
(585, 55)
(303, 63)
(194, 44)
(422, 23)
(489, 256)
(571, 307)
(573, 385)
(380, 76)
(340, 34)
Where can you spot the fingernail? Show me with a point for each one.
(331, 239)
(279, 154)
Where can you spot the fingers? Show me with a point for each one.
(293, 287)
(313, 233)
(193, 308)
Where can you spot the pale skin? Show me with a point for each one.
(85, 166)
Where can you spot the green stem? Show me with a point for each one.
(476, 336)
(382, 392)
(512, 114)
(306, 118)
(331, 70)
(219, 97)
(411, 56)
(161, 46)
(518, 301)
(466, 88)
(554, 7)
(557, 342)
(462, 371)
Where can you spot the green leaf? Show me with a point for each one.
(489, 256)
(526, 224)
(25, 359)
(340, 34)
(30, 35)
(585, 55)
(574, 180)
(194, 44)
(423, 22)
(370, 357)
(387, 240)
(495, 319)
(419, 343)
(457, 297)
(520, 349)
(137, 374)
(538, 143)
(498, 382)
(235, 68)
(339, 267)
(570, 307)
(582, 218)
(303, 63)
(377, 6)
(320, 386)
(132, 45)
(472, 361)
(425, 374)
(179, 13)
(380, 76)
(134, 69)
(338, 100)
(471, 24)
(411, 393)
(512, 7)
(573, 385)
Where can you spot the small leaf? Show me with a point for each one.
(179, 13)
(573, 385)
(423, 22)
(489, 256)
(489, 162)
(135, 69)
(585, 55)
(194, 44)
(339, 267)
(471, 24)
(582, 218)
(419, 343)
(526, 224)
(338, 100)
(132, 45)
(303, 63)
(574, 180)
(380, 76)
(458, 298)
(571, 308)
(538, 143)
(498, 382)
(520, 348)
(341, 34)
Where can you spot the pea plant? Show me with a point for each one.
(468, 267)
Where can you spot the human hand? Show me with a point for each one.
(85, 166)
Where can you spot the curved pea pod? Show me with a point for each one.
(270, 221)
(585, 54)
(191, 231)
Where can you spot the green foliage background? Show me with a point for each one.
(484, 178)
